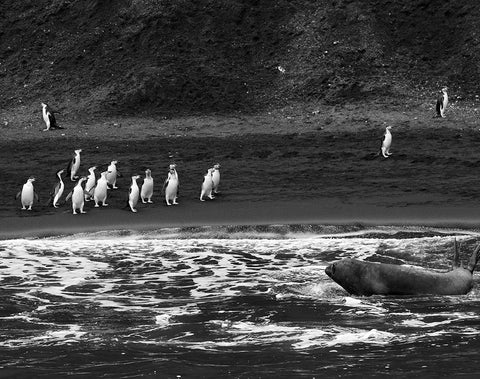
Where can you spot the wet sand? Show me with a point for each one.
(276, 168)
(190, 214)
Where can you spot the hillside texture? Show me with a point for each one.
(180, 57)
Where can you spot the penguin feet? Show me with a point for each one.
(202, 199)
(150, 201)
(97, 206)
(105, 204)
(29, 208)
(133, 210)
(211, 197)
(175, 203)
(23, 208)
(144, 202)
(83, 212)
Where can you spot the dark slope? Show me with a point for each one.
(202, 56)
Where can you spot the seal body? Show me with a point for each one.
(368, 278)
(100, 191)
(112, 174)
(216, 177)
(78, 196)
(74, 165)
(442, 102)
(171, 186)
(27, 194)
(133, 193)
(90, 185)
(147, 187)
(207, 186)
(387, 142)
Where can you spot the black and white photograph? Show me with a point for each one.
(239, 189)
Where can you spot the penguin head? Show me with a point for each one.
(93, 168)
(31, 179)
(389, 127)
(135, 177)
(44, 105)
(148, 171)
(216, 166)
(114, 162)
(60, 172)
(78, 151)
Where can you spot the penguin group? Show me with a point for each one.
(88, 188)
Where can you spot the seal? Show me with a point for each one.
(386, 142)
(442, 102)
(27, 194)
(57, 190)
(207, 185)
(49, 118)
(171, 185)
(78, 196)
(367, 278)
(147, 187)
(100, 191)
(216, 177)
(133, 193)
(112, 174)
(74, 165)
(90, 185)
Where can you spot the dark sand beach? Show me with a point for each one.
(286, 167)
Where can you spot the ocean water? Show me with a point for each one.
(229, 302)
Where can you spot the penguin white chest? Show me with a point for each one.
(387, 141)
(77, 196)
(45, 117)
(112, 174)
(207, 183)
(27, 194)
(171, 190)
(216, 178)
(147, 187)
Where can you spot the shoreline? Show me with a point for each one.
(195, 214)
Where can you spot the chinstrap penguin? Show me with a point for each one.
(147, 187)
(27, 194)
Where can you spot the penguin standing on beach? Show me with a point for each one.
(74, 165)
(27, 194)
(207, 186)
(112, 174)
(57, 190)
(147, 187)
(90, 185)
(216, 177)
(386, 142)
(100, 191)
(442, 102)
(171, 185)
(133, 193)
(78, 196)
(49, 118)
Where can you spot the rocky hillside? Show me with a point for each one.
(205, 56)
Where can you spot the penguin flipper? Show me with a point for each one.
(69, 196)
(35, 196)
(53, 122)
(165, 184)
(18, 195)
